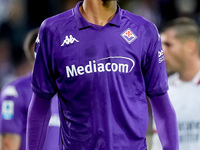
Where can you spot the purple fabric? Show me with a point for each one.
(165, 120)
(102, 76)
(38, 119)
(14, 102)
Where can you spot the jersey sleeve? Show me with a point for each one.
(154, 69)
(42, 78)
(13, 117)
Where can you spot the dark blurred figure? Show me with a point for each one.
(6, 67)
(149, 9)
(171, 9)
(68, 4)
(38, 10)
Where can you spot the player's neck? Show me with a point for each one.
(97, 12)
(190, 71)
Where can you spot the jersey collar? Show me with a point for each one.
(83, 23)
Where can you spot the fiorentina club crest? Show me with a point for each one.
(129, 36)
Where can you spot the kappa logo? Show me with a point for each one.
(129, 36)
(69, 40)
(10, 91)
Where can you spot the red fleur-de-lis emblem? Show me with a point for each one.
(129, 36)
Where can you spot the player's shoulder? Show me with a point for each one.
(13, 88)
(58, 20)
(22, 81)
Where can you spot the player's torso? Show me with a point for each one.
(98, 72)
(98, 75)
(98, 54)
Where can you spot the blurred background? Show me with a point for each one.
(17, 17)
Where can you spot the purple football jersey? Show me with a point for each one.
(14, 102)
(102, 75)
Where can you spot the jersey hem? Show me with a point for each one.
(158, 91)
(41, 93)
(7, 131)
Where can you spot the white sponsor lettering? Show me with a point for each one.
(160, 53)
(161, 56)
(99, 66)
